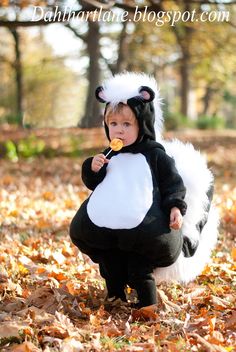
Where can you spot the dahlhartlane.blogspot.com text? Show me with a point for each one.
(157, 18)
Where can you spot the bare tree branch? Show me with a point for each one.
(110, 66)
(231, 24)
(78, 35)
(98, 4)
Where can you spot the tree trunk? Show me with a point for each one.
(123, 50)
(18, 76)
(183, 34)
(207, 99)
(92, 116)
(185, 84)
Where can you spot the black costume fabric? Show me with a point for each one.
(153, 237)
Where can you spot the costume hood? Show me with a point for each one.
(140, 92)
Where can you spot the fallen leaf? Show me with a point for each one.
(231, 322)
(233, 253)
(71, 344)
(112, 330)
(220, 303)
(59, 276)
(3, 277)
(14, 306)
(59, 257)
(8, 329)
(216, 338)
(55, 331)
(166, 303)
(44, 298)
(212, 324)
(145, 346)
(145, 313)
(206, 345)
(48, 196)
(26, 347)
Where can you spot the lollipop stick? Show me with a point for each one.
(116, 144)
(108, 153)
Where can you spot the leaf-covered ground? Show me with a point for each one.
(51, 296)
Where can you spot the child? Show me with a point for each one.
(131, 223)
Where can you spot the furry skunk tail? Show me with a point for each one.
(187, 269)
(198, 181)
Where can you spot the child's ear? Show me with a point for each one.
(146, 93)
(99, 94)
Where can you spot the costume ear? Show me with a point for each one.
(100, 95)
(146, 93)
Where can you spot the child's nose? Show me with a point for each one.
(120, 129)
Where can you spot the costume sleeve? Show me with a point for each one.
(171, 185)
(90, 178)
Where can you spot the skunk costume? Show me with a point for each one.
(124, 224)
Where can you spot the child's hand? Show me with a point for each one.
(176, 219)
(98, 161)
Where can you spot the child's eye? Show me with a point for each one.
(112, 123)
(127, 124)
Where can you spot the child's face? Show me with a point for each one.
(123, 125)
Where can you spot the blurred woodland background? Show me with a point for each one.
(49, 70)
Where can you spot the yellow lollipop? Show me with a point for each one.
(116, 144)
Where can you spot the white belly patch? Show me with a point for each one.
(123, 198)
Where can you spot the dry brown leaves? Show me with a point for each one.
(51, 296)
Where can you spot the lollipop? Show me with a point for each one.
(116, 144)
